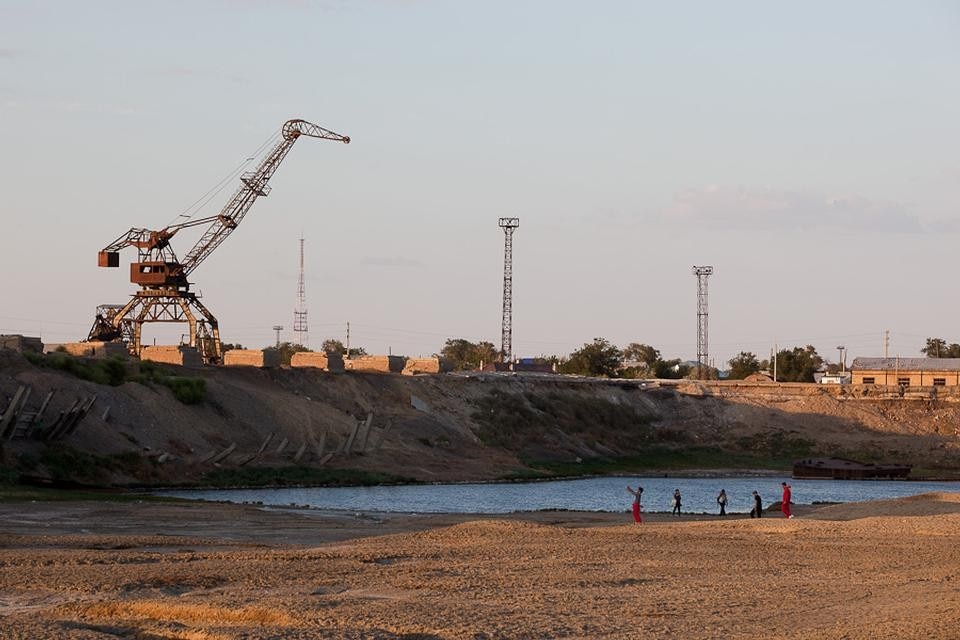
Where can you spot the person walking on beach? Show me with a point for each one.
(757, 511)
(637, 518)
(722, 501)
(676, 502)
(785, 504)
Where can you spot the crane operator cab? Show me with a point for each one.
(157, 274)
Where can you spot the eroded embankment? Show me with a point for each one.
(451, 427)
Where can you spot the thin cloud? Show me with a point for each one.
(725, 207)
(393, 263)
(9, 54)
(194, 72)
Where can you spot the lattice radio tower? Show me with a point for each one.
(702, 274)
(506, 329)
(300, 333)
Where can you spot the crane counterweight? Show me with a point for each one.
(164, 294)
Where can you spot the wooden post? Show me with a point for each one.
(300, 452)
(383, 434)
(322, 443)
(223, 454)
(11, 411)
(353, 435)
(263, 447)
(366, 432)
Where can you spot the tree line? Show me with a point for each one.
(287, 349)
(602, 358)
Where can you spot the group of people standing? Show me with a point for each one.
(755, 512)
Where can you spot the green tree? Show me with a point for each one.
(671, 369)
(798, 364)
(230, 346)
(597, 358)
(287, 349)
(331, 345)
(743, 365)
(464, 355)
(938, 348)
(644, 353)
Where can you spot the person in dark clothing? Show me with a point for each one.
(722, 501)
(757, 511)
(676, 502)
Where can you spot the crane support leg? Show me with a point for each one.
(163, 305)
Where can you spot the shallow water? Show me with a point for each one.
(588, 494)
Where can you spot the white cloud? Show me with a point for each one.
(726, 207)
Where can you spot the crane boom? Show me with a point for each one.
(164, 294)
(255, 184)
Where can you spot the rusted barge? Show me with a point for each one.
(844, 469)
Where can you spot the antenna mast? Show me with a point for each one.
(300, 333)
(506, 326)
(702, 274)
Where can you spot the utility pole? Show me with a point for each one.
(300, 332)
(843, 360)
(886, 344)
(278, 328)
(506, 326)
(773, 358)
(702, 274)
(347, 354)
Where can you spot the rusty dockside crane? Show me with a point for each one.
(164, 294)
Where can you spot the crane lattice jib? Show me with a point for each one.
(255, 184)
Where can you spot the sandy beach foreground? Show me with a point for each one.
(885, 569)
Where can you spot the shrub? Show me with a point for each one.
(187, 390)
(513, 419)
(8, 476)
(112, 371)
(67, 464)
(298, 475)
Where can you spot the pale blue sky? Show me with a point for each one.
(807, 151)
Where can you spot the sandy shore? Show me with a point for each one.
(886, 569)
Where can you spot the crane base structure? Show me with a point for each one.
(164, 294)
(115, 323)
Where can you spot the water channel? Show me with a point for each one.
(587, 494)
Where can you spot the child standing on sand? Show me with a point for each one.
(676, 502)
(785, 504)
(757, 511)
(637, 519)
(722, 501)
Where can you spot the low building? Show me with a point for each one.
(94, 349)
(20, 343)
(907, 372)
(261, 358)
(183, 355)
(317, 360)
(833, 378)
(526, 365)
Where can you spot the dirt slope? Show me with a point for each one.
(453, 427)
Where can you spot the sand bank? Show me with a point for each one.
(886, 569)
